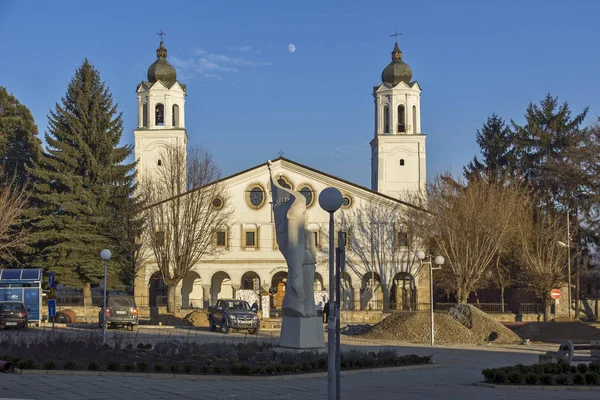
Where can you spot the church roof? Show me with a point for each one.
(363, 188)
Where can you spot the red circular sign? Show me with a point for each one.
(555, 294)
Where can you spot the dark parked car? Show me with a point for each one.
(120, 311)
(13, 314)
(233, 314)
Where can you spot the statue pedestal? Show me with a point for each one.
(302, 333)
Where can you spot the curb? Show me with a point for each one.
(208, 377)
(578, 388)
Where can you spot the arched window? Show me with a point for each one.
(175, 115)
(145, 116)
(401, 119)
(159, 115)
(402, 162)
(414, 122)
(159, 163)
(386, 119)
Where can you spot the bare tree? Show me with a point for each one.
(542, 259)
(468, 224)
(13, 200)
(380, 242)
(188, 207)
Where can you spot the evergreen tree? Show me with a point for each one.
(543, 147)
(19, 144)
(495, 141)
(84, 189)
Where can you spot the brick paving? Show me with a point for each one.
(459, 368)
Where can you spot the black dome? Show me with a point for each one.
(161, 70)
(397, 71)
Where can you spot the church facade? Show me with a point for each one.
(249, 263)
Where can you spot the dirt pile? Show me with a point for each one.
(415, 327)
(576, 331)
(197, 318)
(483, 327)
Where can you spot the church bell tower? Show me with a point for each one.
(398, 148)
(161, 113)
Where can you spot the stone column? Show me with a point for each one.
(235, 290)
(356, 305)
(206, 296)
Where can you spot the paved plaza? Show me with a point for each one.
(457, 369)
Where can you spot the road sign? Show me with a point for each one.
(51, 280)
(555, 294)
(51, 308)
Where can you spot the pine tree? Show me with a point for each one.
(19, 144)
(84, 188)
(495, 141)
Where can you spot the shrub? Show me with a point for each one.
(218, 369)
(188, 369)
(142, 367)
(573, 369)
(499, 376)
(93, 366)
(69, 365)
(487, 373)
(591, 378)
(594, 367)
(159, 367)
(113, 366)
(515, 378)
(204, 369)
(141, 346)
(532, 379)
(579, 379)
(547, 379)
(562, 379)
(25, 364)
(582, 368)
(49, 365)
(175, 368)
(129, 367)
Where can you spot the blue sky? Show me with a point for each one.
(249, 97)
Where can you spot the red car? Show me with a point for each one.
(13, 314)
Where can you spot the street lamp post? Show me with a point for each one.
(330, 200)
(439, 261)
(105, 255)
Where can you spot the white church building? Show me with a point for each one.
(251, 263)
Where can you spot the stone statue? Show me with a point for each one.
(301, 327)
(296, 243)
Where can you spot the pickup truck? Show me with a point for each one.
(230, 314)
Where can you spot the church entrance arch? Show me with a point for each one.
(371, 295)
(191, 291)
(277, 289)
(220, 287)
(250, 281)
(403, 294)
(157, 290)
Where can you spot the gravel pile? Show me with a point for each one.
(483, 327)
(415, 327)
(168, 320)
(197, 318)
(578, 332)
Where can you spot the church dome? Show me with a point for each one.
(161, 70)
(397, 71)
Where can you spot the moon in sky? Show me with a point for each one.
(292, 48)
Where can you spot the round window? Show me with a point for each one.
(217, 202)
(308, 194)
(346, 201)
(257, 196)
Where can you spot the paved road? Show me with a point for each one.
(453, 379)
